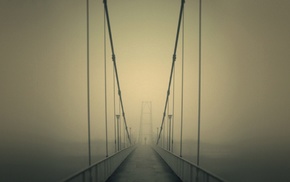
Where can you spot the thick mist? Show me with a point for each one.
(244, 85)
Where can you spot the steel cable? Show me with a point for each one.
(115, 67)
(172, 68)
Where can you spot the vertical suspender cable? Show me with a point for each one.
(199, 86)
(168, 142)
(88, 85)
(124, 132)
(114, 93)
(163, 139)
(118, 132)
(141, 125)
(105, 82)
(182, 85)
(173, 98)
(151, 128)
(120, 137)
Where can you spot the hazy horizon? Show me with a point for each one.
(244, 85)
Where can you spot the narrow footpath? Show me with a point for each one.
(144, 165)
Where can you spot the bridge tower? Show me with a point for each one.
(146, 128)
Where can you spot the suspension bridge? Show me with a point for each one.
(152, 158)
(144, 90)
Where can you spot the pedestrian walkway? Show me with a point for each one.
(143, 165)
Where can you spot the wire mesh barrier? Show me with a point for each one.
(101, 170)
(185, 170)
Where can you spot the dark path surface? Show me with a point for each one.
(143, 165)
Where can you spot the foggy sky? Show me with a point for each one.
(245, 77)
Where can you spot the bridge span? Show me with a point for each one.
(144, 162)
(141, 163)
(225, 87)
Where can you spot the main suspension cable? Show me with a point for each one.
(172, 68)
(115, 67)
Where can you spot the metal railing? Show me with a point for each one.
(185, 170)
(101, 170)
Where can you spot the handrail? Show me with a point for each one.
(111, 164)
(186, 170)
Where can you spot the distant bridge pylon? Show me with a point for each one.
(146, 128)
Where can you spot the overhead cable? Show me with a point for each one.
(115, 67)
(172, 67)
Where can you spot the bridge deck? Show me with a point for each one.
(144, 164)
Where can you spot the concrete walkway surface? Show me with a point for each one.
(143, 165)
